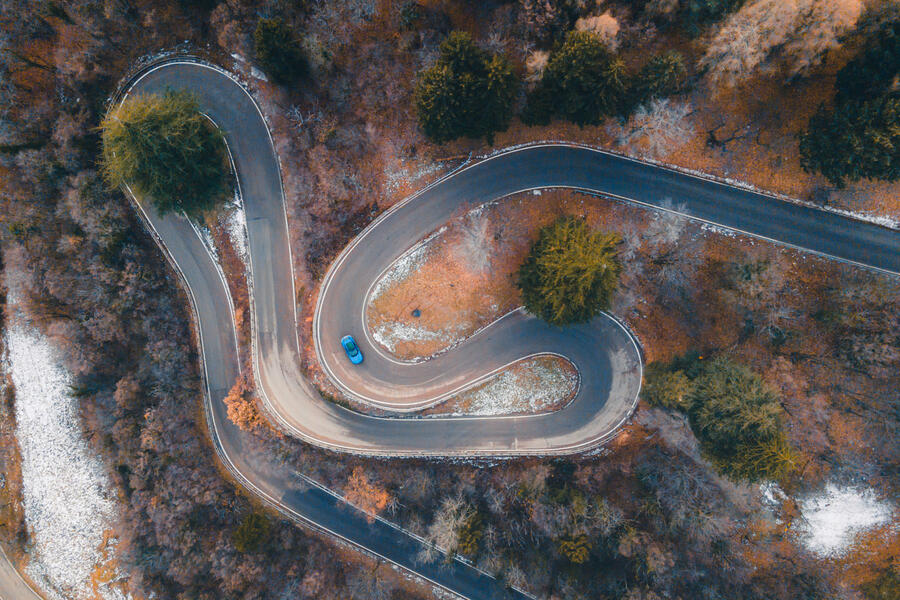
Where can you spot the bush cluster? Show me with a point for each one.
(735, 415)
(860, 136)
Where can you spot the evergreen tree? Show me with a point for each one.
(584, 82)
(860, 137)
(165, 149)
(731, 407)
(571, 272)
(251, 534)
(734, 414)
(874, 70)
(855, 140)
(666, 388)
(467, 93)
(279, 52)
(663, 75)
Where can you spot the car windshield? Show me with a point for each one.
(351, 347)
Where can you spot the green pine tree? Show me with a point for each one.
(663, 75)
(571, 272)
(252, 533)
(584, 82)
(855, 140)
(467, 93)
(860, 136)
(279, 52)
(165, 149)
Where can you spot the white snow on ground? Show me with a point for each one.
(831, 518)
(236, 225)
(531, 386)
(390, 334)
(68, 500)
(256, 73)
(395, 178)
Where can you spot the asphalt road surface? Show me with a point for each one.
(605, 354)
(12, 586)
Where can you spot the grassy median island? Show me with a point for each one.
(549, 252)
(164, 148)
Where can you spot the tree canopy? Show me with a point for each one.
(467, 93)
(735, 415)
(584, 82)
(279, 52)
(164, 148)
(860, 136)
(663, 75)
(874, 70)
(571, 272)
(252, 532)
(855, 140)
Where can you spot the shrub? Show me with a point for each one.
(470, 534)
(576, 548)
(570, 273)
(584, 82)
(467, 93)
(165, 149)
(663, 75)
(279, 52)
(251, 534)
(666, 389)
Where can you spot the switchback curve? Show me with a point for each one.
(603, 350)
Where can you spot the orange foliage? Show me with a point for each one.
(365, 495)
(875, 553)
(242, 408)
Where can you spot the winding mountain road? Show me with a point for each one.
(605, 353)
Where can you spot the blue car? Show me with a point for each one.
(352, 350)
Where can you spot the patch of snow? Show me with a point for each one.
(531, 387)
(395, 178)
(390, 334)
(236, 226)
(68, 500)
(238, 57)
(257, 74)
(831, 518)
(772, 493)
(718, 230)
(206, 236)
